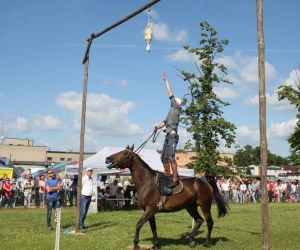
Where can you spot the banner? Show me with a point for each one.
(6, 171)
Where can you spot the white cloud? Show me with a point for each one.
(48, 123)
(181, 55)
(249, 70)
(162, 32)
(283, 129)
(184, 136)
(241, 68)
(246, 134)
(104, 116)
(226, 92)
(293, 79)
(230, 62)
(19, 125)
(272, 101)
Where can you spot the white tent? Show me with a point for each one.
(150, 156)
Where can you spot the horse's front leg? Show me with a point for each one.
(154, 232)
(147, 214)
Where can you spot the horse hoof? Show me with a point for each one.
(192, 243)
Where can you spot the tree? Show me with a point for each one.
(201, 111)
(251, 156)
(292, 94)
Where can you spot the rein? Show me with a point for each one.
(154, 136)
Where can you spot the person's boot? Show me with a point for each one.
(167, 169)
(175, 174)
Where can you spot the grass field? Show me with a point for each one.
(240, 229)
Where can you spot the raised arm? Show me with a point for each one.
(168, 87)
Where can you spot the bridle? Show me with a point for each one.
(123, 160)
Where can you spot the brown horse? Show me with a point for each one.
(196, 192)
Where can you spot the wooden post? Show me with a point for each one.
(262, 122)
(82, 131)
(84, 97)
(57, 235)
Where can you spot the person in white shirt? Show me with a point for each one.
(101, 184)
(225, 186)
(86, 196)
(243, 192)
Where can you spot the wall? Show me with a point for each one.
(24, 153)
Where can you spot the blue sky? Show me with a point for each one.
(43, 42)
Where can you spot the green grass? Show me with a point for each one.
(240, 229)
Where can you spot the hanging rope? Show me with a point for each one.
(148, 13)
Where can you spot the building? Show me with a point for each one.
(24, 152)
(183, 158)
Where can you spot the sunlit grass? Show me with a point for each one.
(240, 229)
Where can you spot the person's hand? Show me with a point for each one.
(158, 126)
(164, 76)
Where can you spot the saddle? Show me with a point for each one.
(164, 184)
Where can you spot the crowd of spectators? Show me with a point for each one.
(249, 190)
(31, 192)
(116, 195)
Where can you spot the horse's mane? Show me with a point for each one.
(145, 165)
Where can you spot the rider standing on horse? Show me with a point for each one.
(171, 126)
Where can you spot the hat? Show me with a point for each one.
(89, 169)
(178, 100)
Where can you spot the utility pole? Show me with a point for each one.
(84, 97)
(262, 122)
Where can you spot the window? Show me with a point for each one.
(49, 158)
(69, 159)
(62, 159)
(177, 158)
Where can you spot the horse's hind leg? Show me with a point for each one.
(154, 232)
(210, 224)
(193, 211)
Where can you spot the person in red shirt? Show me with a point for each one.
(7, 193)
(270, 188)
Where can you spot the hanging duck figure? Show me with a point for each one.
(148, 33)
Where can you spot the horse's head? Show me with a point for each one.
(121, 159)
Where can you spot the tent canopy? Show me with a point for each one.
(150, 156)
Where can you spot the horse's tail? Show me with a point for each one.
(220, 202)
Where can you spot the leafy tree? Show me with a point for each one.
(201, 111)
(292, 94)
(251, 156)
(294, 160)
